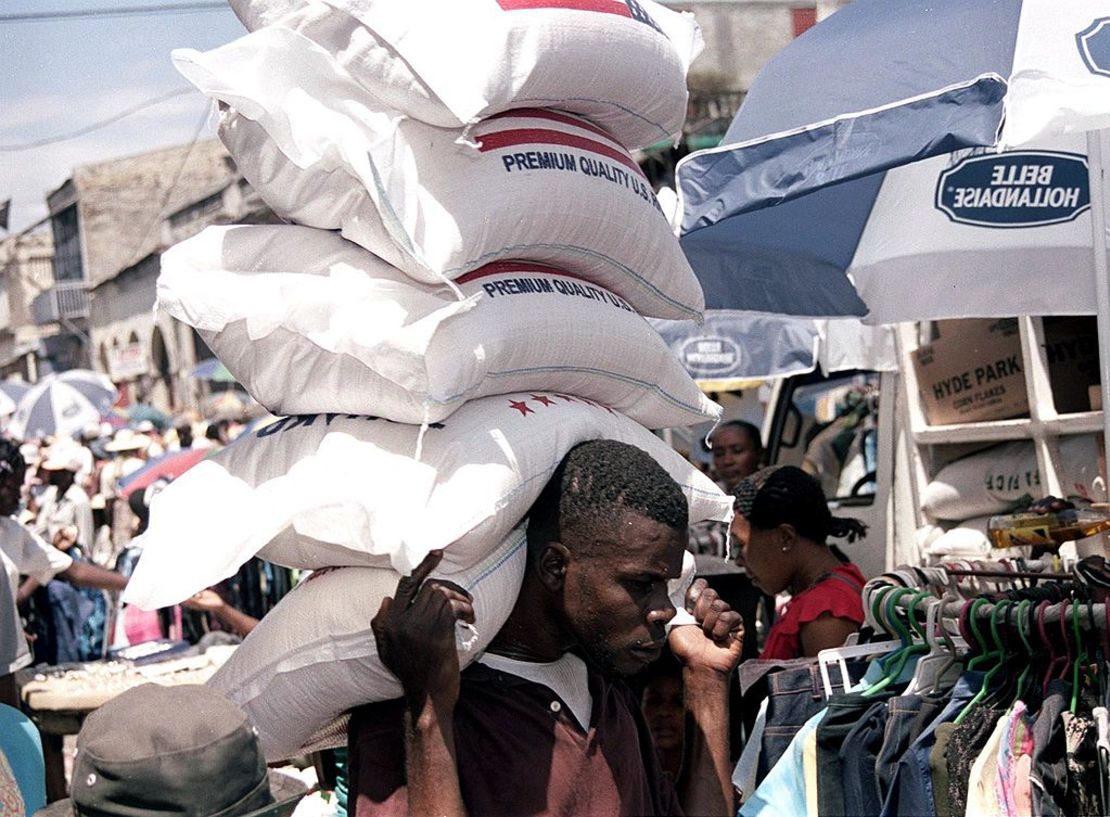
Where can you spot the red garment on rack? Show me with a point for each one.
(838, 594)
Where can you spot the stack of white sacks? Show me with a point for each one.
(457, 302)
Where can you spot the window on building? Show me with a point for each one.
(67, 246)
(804, 19)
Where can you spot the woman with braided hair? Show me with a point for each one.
(781, 527)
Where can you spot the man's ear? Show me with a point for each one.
(552, 565)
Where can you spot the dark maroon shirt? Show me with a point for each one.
(520, 753)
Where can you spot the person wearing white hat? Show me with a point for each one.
(65, 515)
(129, 454)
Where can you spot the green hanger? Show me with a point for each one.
(894, 663)
(1080, 657)
(1023, 627)
(877, 599)
(980, 641)
(995, 655)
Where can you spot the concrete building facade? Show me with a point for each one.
(26, 270)
(108, 225)
(149, 356)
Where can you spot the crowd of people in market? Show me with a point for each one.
(465, 568)
(604, 539)
(68, 519)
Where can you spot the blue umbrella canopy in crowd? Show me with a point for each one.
(63, 404)
(10, 393)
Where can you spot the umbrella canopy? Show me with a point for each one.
(169, 466)
(968, 234)
(886, 83)
(733, 350)
(63, 404)
(230, 405)
(141, 412)
(10, 393)
(882, 83)
(211, 369)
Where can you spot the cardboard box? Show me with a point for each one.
(1071, 349)
(972, 372)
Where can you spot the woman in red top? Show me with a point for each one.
(781, 525)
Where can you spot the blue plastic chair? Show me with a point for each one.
(21, 747)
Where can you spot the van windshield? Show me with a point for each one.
(832, 433)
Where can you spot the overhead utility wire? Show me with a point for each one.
(103, 123)
(122, 11)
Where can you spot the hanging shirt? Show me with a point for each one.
(1017, 743)
(982, 780)
(744, 775)
(911, 790)
(783, 792)
(837, 594)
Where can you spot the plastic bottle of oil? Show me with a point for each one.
(1025, 529)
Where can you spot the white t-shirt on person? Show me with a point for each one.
(22, 552)
(14, 652)
(31, 554)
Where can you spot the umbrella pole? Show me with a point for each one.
(1102, 275)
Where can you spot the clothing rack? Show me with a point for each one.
(1010, 574)
(1053, 614)
(1030, 655)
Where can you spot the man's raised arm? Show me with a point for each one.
(415, 634)
(709, 652)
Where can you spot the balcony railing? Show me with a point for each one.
(64, 301)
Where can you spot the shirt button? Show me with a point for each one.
(556, 706)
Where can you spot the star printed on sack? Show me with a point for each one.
(565, 397)
(543, 400)
(522, 407)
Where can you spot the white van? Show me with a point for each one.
(961, 431)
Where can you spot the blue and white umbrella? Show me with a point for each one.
(10, 393)
(212, 369)
(973, 233)
(63, 404)
(878, 85)
(830, 123)
(882, 83)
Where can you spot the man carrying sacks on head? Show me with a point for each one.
(541, 724)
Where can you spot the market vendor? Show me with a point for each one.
(542, 723)
(782, 526)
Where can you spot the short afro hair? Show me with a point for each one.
(595, 481)
(11, 458)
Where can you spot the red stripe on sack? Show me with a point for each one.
(605, 6)
(554, 116)
(506, 267)
(543, 136)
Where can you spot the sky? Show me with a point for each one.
(62, 75)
